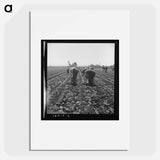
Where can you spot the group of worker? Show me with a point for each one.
(87, 73)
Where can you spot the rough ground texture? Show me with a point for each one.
(64, 98)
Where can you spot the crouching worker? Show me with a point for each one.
(90, 74)
(74, 72)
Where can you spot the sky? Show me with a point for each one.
(83, 53)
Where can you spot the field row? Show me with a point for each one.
(65, 98)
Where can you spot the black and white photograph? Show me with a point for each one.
(80, 80)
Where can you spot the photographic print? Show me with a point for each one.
(80, 79)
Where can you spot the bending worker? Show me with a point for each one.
(90, 74)
(73, 73)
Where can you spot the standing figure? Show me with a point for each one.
(105, 68)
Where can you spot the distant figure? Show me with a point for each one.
(105, 68)
(90, 74)
(74, 72)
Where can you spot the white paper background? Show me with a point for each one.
(144, 124)
(83, 24)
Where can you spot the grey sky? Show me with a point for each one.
(82, 53)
